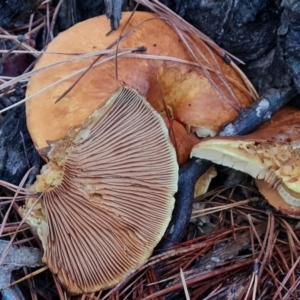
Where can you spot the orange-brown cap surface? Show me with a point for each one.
(108, 194)
(271, 153)
(189, 96)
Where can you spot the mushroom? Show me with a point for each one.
(202, 184)
(271, 154)
(116, 181)
(168, 75)
(107, 194)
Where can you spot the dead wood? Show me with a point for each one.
(17, 152)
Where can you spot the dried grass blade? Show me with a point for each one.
(13, 199)
(296, 264)
(292, 289)
(207, 211)
(26, 277)
(269, 250)
(186, 292)
(77, 56)
(6, 250)
(59, 81)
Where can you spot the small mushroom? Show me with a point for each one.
(271, 154)
(167, 75)
(202, 184)
(108, 194)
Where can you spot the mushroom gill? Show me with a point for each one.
(108, 194)
(271, 154)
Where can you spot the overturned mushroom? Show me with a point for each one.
(271, 155)
(185, 78)
(107, 194)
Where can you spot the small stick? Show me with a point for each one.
(113, 10)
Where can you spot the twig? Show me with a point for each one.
(186, 292)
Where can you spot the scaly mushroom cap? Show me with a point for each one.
(108, 194)
(190, 97)
(270, 154)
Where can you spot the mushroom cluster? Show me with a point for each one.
(108, 194)
(111, 164)
(271, 154)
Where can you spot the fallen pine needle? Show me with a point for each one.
(26, 277)
(186, 292)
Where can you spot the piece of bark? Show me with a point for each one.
(17, 152)
(247, 121)
(68, 15)
(15, 10)
(227, 251)
(289, 38)
(16, 258)
(74, 11)
(247, 29)
(113, 10)
(222, 253)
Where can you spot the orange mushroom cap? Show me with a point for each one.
(189, 96)
(271, 154)
(108, 194)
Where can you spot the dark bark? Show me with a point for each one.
(14, 10)
(113, 10)
(289, 38)
(17, 152)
